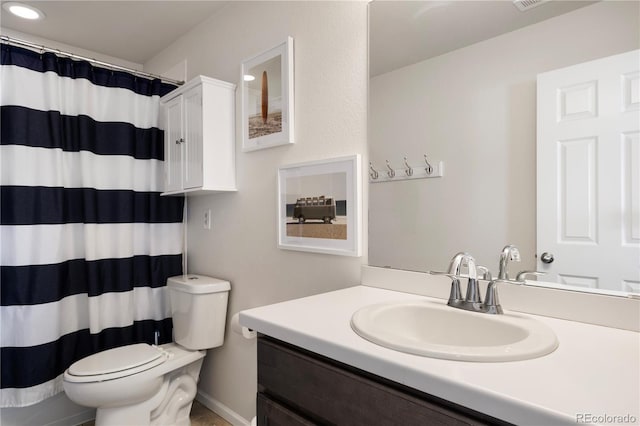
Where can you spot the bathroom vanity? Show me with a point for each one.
(313, 368)
(335, 393)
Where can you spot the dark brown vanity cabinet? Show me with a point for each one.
(298, 387)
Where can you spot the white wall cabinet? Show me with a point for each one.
(199, 142)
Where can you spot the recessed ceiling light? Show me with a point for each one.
(23, 10)
(248, 77)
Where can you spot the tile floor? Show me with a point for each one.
(200, 416)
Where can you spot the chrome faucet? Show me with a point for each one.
(492, 305)
(509, 253)
(455, 296)
(472, 301)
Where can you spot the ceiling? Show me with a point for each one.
(406, 32)
(402, 32)
(132, 30)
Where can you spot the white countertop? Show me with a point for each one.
(595, 370)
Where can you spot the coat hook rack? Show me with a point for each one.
(430, 169)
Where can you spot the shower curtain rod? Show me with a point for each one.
(41, 48)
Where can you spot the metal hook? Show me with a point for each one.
(408, 170)
(429, 168)
(373, 173)
(391, 173)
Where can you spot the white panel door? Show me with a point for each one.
(173, 145)
(588, 178)
(192, 172)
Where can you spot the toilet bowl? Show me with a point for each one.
(143, 384)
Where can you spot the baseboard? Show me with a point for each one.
(57, 410)
(77, 419)
(222, 410)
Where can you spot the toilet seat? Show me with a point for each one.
(116, 363)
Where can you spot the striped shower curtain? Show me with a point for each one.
(87, 243)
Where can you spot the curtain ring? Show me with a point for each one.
(408, 170)
(429, 168)
(391, 173)
(373, 173)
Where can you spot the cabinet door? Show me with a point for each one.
(173, 145)
(192, 147)
(330, 393)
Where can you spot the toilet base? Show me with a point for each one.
(170, 406)
(132, 415)
(176, 404)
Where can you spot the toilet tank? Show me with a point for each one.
(199, 310)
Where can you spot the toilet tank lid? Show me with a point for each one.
(197, 284)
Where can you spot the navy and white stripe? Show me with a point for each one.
(87, 243)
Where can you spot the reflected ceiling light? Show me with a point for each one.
(248, 77)
(23, 10)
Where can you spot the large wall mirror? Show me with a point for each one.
(482, 86)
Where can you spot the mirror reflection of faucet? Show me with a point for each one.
(472, 302)
(509, 253)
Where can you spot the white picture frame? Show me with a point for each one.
(314, 189)
(267, 93)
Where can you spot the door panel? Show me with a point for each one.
(631, 187)
(173, 145)
(193, 141)
(577, 190)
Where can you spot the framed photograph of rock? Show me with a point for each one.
(320, 206)
(267, 98)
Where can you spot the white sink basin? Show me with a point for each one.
(439, 331)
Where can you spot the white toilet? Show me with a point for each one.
(142, 384)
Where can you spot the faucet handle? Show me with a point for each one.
(520, 278)
(455, 296)
(486, 273)
(491, 303)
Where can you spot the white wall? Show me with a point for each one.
(475, 108)
(330, 40)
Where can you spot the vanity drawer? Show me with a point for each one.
(271, 413)
(324, 391)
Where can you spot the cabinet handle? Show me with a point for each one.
(179, 141)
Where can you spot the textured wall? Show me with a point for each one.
(330, 118)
